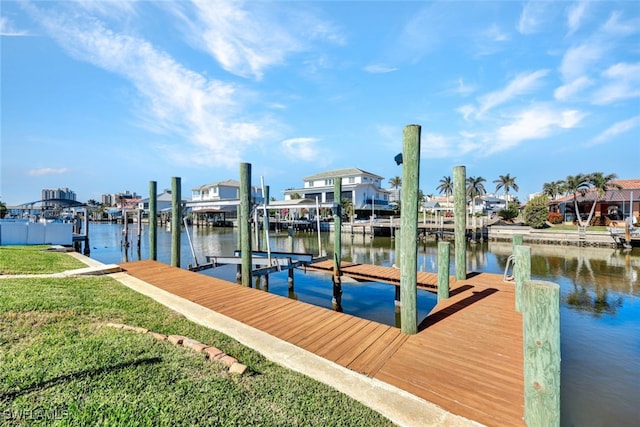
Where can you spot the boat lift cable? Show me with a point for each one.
(266, 215)
(193, 252)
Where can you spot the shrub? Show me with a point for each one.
(509, 214)
(537, 211)
(554, 218)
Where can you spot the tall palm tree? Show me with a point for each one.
(577, 184)
(446, 187)
(507, 182)
(600, 183)
(475, 188)
(395, 183)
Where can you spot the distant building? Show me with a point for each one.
(220, 199)
(53, 197)
(362, 188)
(120, 200)
(164, 201)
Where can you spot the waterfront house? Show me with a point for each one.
(613, 207)
(363, 189)
(219, 200)
(163, 202)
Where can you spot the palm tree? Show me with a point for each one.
(600, 183)
(575, 184)
(552, 189)
(507, 182)
(446, 187)
(395, 183)
(475, 188)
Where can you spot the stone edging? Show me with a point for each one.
(211, 353)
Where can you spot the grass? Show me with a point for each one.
(62, 366)
(562, 227)
(35, 259)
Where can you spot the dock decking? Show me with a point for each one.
(467, 357)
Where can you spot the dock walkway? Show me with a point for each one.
(467, 357)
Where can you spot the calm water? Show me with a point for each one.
(600, 308)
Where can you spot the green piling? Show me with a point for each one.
(521, 271)
(460, 220)
(176, 220)
(244, 223)
(444, 249)
(409, 228)
(541, 341)
(153, 220)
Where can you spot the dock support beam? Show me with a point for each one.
(444, 249)
(243, 222)
(460, 220)
(337, 241)
(541, 340)
(409, 228)
(153, 220)
(176, 220)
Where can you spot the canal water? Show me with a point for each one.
(600, 301)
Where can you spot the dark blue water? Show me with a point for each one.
(600, 302)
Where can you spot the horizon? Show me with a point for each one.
(103, 97)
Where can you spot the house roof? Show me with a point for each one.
(224, 183)
(340, 173)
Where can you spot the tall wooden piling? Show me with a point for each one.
(444, 249)
(409, 228)
(337, 240)
(176, 220)
(541, 340)
(460, 220)
(153, 220)
(521, 271)
(244, 222)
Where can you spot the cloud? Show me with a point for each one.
(575, 15)
(536, 122)
(577, 61)
(623, 82)
(520, 85)
(47, 171)
(248, 38)
(572, 89)
(379, 69)
(208, 114)
(7, 29)
(302, 149)
(434, 146)
(617, 129)
(534, 14)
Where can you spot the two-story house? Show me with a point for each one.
(362, 188)
(222, 197)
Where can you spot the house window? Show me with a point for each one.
(352, 180)
(310, 183)
(328, 182)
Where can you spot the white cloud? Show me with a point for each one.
(617, 129)
(466, 111)
(495, 34)
(572, 89)
(534, 14)
(248, 38)
(575, 15)
(520, 85)
(615, 25)
(623, 83)
(302, 149)
(47, 171)
(577, 61)
(534, 123)
(434, 146)
(379, 69)
(207, 114)
(7, 28)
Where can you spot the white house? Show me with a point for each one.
(362, 188)
(163, 202)
(221, 197)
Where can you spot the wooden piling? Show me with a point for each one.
(409, 228)
(153, 220)
(244, 222)
(176, 220)
(460, 220)
(541, 340)
(337, 241)
(521, 271)
(444, 249)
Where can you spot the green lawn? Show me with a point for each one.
(35, 259)
(61, 365)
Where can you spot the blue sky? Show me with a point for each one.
(103, 97)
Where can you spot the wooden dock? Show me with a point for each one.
(467, 357)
